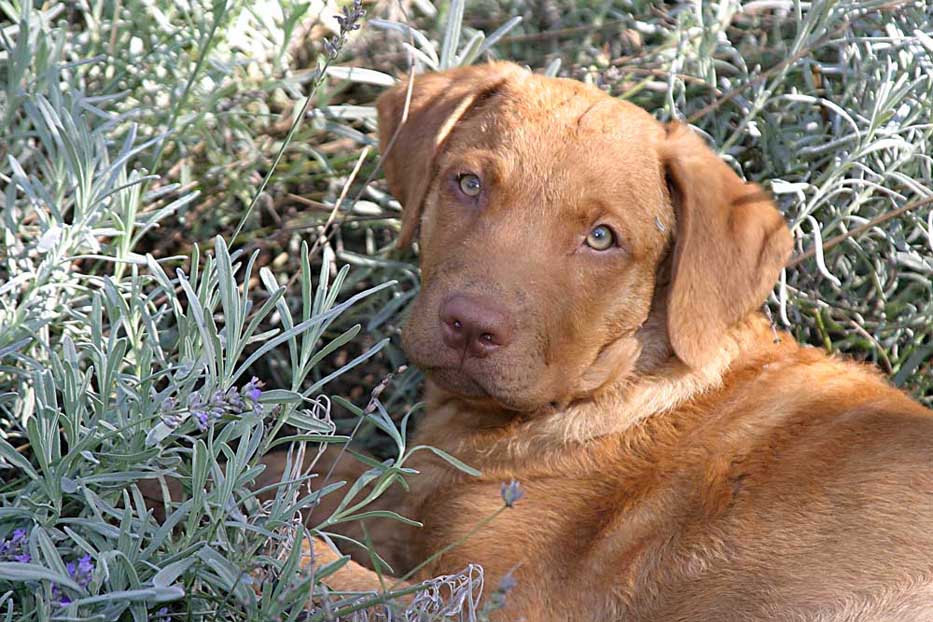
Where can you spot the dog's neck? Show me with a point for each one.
(659, 383)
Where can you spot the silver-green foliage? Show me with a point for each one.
(117, 368)
(842, 129)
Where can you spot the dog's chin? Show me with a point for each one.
(470, 383)
(461, 385)
(457, 382)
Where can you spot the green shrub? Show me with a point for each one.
(118, 367)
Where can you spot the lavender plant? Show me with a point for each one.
(117, 367)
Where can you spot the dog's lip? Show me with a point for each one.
(463, 385)
(457, 380)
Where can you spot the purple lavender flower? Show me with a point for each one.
(169, 414)
(220, 403)
(59, 597)
(511, 493)
(81, 571)
(348, 23)
(168, 411)
(218, 399)
(507, 583)
(202, 418)
(252, 389)
(497, 599)
(163, 615)
(172, 420)
(14, 548)
(233, 400)
(86, 567)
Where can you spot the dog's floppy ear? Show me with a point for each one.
(410, 142)
(730, 245)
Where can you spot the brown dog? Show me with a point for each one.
(589, 325)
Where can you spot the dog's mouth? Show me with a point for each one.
(457, 381)
(461, 385)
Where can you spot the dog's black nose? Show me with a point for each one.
(475, 326)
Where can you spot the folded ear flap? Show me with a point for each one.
(413, 128)
(730, 245)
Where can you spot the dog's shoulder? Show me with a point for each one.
(818, 484)
(812, 423)
(832, 490)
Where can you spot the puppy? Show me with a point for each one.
(589, 325)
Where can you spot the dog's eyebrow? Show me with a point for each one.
(485, 95)
(468, 106)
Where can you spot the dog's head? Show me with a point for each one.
(549, 215)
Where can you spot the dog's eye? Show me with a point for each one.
(470, 184)
(600, 238)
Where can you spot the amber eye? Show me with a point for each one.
(470, 184)
(600, 238)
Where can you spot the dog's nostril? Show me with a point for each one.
(475, 325)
